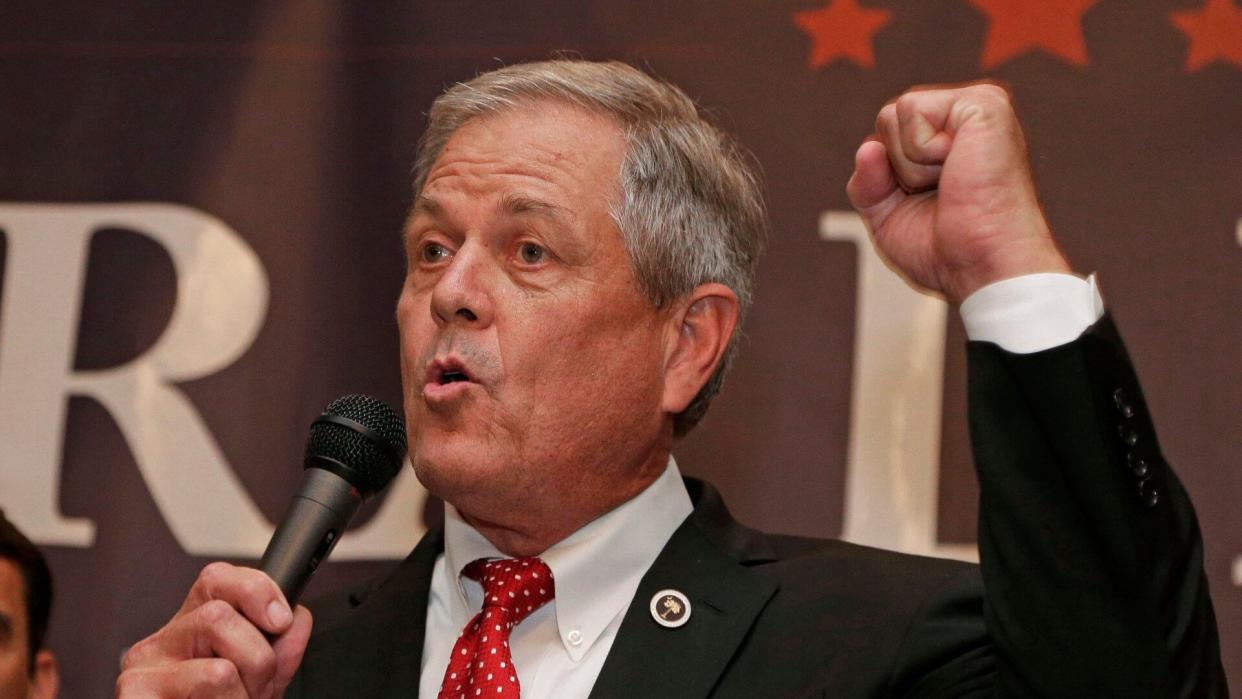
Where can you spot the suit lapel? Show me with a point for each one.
(407, 592)
(650, 660)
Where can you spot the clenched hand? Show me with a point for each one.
(234, 636)
(946, 190)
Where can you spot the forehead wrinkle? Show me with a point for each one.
(475, 145)
(513, 202)
(520, 204)
(482, 177)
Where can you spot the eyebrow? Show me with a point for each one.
(425, 205)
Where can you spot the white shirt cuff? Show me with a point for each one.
(1033, 312)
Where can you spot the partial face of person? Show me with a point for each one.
(532, 363)
(16, 680)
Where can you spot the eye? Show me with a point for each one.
(532, 254)
(434, 252)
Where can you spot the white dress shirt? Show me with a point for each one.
(559, 650)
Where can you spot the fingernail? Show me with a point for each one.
(278, 614)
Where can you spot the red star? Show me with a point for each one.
(841, 29)
(1018, 26)
(1215, 33)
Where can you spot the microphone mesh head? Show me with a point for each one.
(371, 459)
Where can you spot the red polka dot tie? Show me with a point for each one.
(481, 665)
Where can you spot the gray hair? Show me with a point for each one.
(691, 210)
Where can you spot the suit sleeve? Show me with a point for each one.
(1090, 551)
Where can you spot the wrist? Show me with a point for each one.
(1016, 259)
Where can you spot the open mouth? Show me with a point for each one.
(445, 372)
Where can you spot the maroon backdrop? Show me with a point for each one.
(294, 123)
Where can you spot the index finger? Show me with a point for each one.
(873, 188)
(247, 590)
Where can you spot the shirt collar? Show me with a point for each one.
(597, 568)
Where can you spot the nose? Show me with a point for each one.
(463, 293)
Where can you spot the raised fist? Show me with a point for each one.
(945, 187)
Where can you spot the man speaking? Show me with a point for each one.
(580, 252)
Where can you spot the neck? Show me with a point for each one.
(537, 529)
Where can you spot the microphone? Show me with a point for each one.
(355, 448)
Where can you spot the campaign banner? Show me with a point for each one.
(200, 217)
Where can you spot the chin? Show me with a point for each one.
(449, 468)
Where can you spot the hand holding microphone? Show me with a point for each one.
(236, 634)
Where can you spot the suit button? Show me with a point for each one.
(1148, 493)
(1128, 435)
(1138, 466)
(1123, 403)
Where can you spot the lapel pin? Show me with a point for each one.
(670, 608)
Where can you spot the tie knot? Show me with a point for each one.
(519, 586)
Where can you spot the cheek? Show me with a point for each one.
(413, 317)
(612, 368)
(558, 350)
(406, 304)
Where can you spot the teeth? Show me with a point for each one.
(452, 377)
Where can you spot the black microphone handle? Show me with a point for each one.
(314, 522)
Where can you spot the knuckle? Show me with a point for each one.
(127, 683)
(141, 652)
(133, 657)
(216, 612)
(219, 673)
(255, 586)
(213, 574)
(906, 105)
(887, 115)
(990, 93)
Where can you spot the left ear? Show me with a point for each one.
(699, 332)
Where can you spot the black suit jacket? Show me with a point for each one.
(1091, 562)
